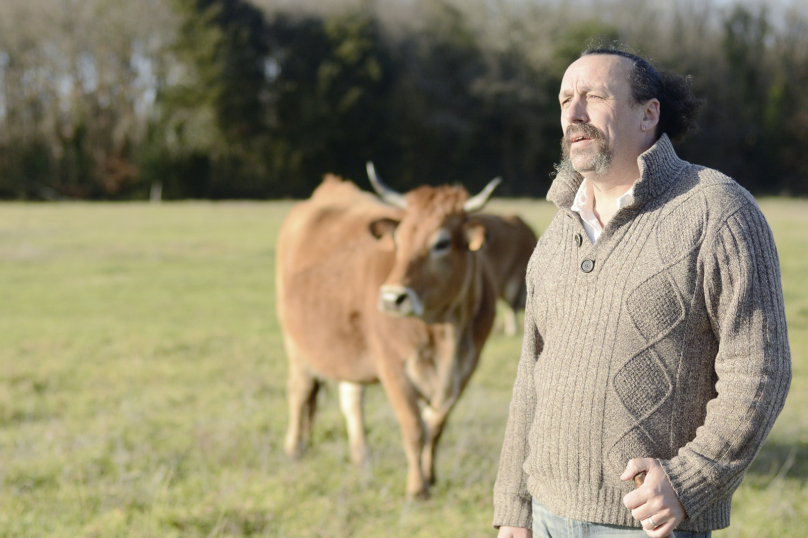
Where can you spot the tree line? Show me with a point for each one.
(234, 99)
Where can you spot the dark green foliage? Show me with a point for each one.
(256, 104)
(331, 89)
(756, 109)
(438, 119)
(752, 127)
(210, 141)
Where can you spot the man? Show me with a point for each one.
(655, 336)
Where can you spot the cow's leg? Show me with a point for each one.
(350, 401)
(311, 408)
(510, 321)
(302, 394)
(434, 420)
(514, 295)
(404, 400)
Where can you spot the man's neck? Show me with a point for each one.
(606, 190)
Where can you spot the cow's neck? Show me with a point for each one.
(461, 312)
(443, 369)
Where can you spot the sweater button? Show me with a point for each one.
(587, 266)
(578, 240)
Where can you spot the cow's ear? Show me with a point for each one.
(381, 227)
(475, 235)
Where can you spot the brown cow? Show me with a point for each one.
(508, 246)
(370, 292)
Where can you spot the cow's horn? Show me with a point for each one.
(477, 202)
(385, 193)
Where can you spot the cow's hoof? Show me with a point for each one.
(294, 451)
(422, 495)
(360, 457)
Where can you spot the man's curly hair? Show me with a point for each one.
(679, 108)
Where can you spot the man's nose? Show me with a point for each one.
(576, 111)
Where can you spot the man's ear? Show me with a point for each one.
(381, 227)
(475, 234)
(650, 113)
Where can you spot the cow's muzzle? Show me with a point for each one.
(399, 301)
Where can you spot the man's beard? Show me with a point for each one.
(599, 162)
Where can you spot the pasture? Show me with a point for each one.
(143, 380)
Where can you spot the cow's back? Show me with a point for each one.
(510, 243)
(329, 269)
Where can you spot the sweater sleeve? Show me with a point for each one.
(512, 501)
(744, 301)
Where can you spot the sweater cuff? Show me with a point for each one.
(694, 490)
(513, 512)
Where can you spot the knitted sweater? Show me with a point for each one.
(666, 339)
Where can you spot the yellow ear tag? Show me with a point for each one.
(477, 240)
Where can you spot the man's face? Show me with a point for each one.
(600, 122)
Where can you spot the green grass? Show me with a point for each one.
(143, 390)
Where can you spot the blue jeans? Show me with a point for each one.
(548, 525)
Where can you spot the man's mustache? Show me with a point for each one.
(580, 129)
(585, 129)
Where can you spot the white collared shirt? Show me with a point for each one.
(584, 205)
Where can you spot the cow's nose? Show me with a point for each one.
(399, 300)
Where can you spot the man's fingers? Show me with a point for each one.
(635, 500)
(663, 517)
(663, 531)
(654, 503)
(634, 467)
(514, 532)
(654, 510)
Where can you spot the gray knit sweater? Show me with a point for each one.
(666, 338)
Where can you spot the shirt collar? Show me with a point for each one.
(584, 205)
(584, 201)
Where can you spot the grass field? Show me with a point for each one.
(143, 381)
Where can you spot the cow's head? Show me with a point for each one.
(436, 241)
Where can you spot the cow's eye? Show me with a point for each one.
(442, 244)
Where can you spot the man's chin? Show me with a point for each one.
(581, 157)
(582, 165)
(590, 163)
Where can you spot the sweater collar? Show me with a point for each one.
(659, 167)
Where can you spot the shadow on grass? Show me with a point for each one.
(778, 460)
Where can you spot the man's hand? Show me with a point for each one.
(655, 499)
(514, 532)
